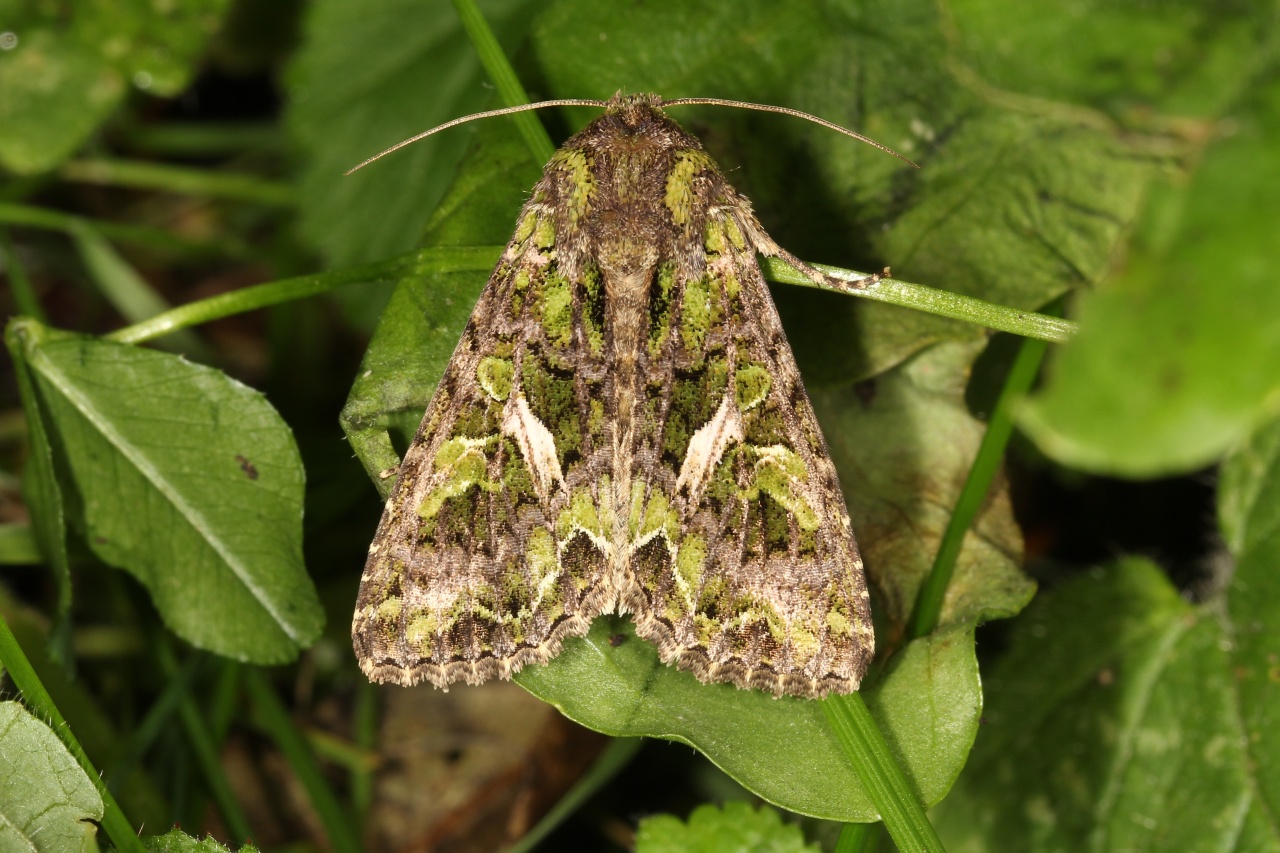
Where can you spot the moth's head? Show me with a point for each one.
(638, 113)
(633, 109)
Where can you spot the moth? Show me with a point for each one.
(622, 428)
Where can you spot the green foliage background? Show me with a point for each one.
(1123, 159)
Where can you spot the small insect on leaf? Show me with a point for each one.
(622, 428)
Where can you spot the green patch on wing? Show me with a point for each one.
(462, 462)
(680, 198)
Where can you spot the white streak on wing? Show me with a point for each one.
(536, 443)
(707, 446)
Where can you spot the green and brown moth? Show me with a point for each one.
(622, 428)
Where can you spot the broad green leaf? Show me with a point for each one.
(1250, 493)
(427, 312)
(1115, 723)
(1009, 207)
(127, 291)
(40, 488)
(69, 66)
(903, 444)
(47, 803)
(189, 481)
(136, 792)
(370, 74)
(927, 705)
(1179, 359)
(18, 544)
(734, 828)
(177, 841)
(1127, 59)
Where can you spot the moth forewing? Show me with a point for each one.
(622, 428)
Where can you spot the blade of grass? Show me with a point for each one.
(1026, 366)
(880, 774)
(858, 838)
(24, 295)
(933, 301)
(617, 755)
(152, 723)
(448, 259)
(347, 754)
(205, 139)
(504, 78)
(141, 235)
(24, 677)
(365, 724)
(18, 545)
(279, 726)
(226, 692)
(203, 745)
(126, 290)
(178, 179)
(43, 495)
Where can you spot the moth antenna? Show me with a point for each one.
(787, 111)
(566, 102)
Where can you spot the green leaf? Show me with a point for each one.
(370, 74)
(927, 706)
(47, 803)
(126, 290)
(1010, 207)
(18, 544)
(1184, 59)
(177, 841)
(428, 311)
(903, 444)
(1121, 718)
(40, 488)
(1250, 490)
(189, 481)
(70, 67)
(734, 828)
(85, 716)
(1194, 320)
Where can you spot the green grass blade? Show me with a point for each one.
(933, 301)
(204, 746)
(504, 78)
(280, 727)
(178, 179)
(24, 294)
(448, 259)
(615, 757)
(880, 774)
(858, 838)
(1026, 366)
(152, 723)
(38, 700)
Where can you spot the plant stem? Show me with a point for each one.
(24, 295)
(24, 677)
(52, 220)
(880, 774)
(615, 757)
(933, 301)
(203, 745)
(1026, 365)
(499, 69)
(858, 838)
(178, 179)
(279, 725)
